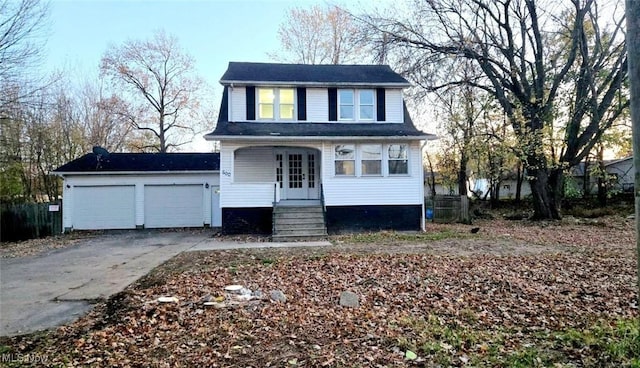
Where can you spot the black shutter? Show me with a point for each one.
(333, 104)
(380, 97)
(251, 102)
(302, 103)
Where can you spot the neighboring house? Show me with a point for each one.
(624, 173)
(140, 190)
(508, 186)
(333, 139)
(441, 188)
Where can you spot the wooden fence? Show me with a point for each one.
(447, 208)
(30, 220)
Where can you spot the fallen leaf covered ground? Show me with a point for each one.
(514, 294)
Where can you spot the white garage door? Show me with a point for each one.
(104, 207)
(173, 206)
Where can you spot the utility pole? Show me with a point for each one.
(633, 57)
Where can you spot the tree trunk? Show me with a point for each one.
(432, 177)
(519, 180)
(495, 194)
(602, 179)
(586, 180)
(462, 175)
(544, 189)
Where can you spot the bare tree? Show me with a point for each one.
(320, 35)
(511, 42)
(159, 87)
(22, 26)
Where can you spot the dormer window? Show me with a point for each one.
(276, 103)
(366, 104)
(346, 101)
(356, 105)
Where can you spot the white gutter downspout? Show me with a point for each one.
(423, 224)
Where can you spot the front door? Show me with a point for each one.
(300, 174)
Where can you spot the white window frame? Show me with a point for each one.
(357, 97)
(276, 104)
(384, 158)
(389, 159)
(353, 104)
(373, 104)
(362, 160)
(354, 159)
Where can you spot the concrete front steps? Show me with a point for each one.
(298, 223)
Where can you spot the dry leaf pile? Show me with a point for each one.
(435, 303)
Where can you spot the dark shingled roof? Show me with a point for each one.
(115, 162)
(311, 129)
(304, 74)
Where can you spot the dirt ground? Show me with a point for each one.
(514, 293)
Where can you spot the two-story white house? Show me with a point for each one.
(334, 140)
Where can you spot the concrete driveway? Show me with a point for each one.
(51, 289)
(55, 288)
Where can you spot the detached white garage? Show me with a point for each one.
(141, 190)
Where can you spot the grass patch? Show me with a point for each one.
(452, 342)
(391, 237)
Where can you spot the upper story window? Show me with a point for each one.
(366, 104)
(286, 104)
(346, 101)
(276, 103)
(356, 104)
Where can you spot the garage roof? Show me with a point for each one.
(149, 162)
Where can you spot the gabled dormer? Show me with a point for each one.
(284, 93)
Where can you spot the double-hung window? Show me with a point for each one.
(276, 103)
(371, 159)
(345, 159)
(286, 105)
(346, 101)
(398, 159)
(266, 103)
(356, 105)
(366, 105)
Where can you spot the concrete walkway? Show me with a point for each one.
(49, 290)
(222, 245)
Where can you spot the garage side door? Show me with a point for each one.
(173, 206)
(104, 207)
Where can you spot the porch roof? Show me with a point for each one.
(315, 130)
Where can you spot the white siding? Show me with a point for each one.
(138, 182)
(338, 191)
(389, 190)
(238, 195)
(317, 105)
(394, 111)
(624, 170)
(254, 164)
(234, 193)
(237, 104)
